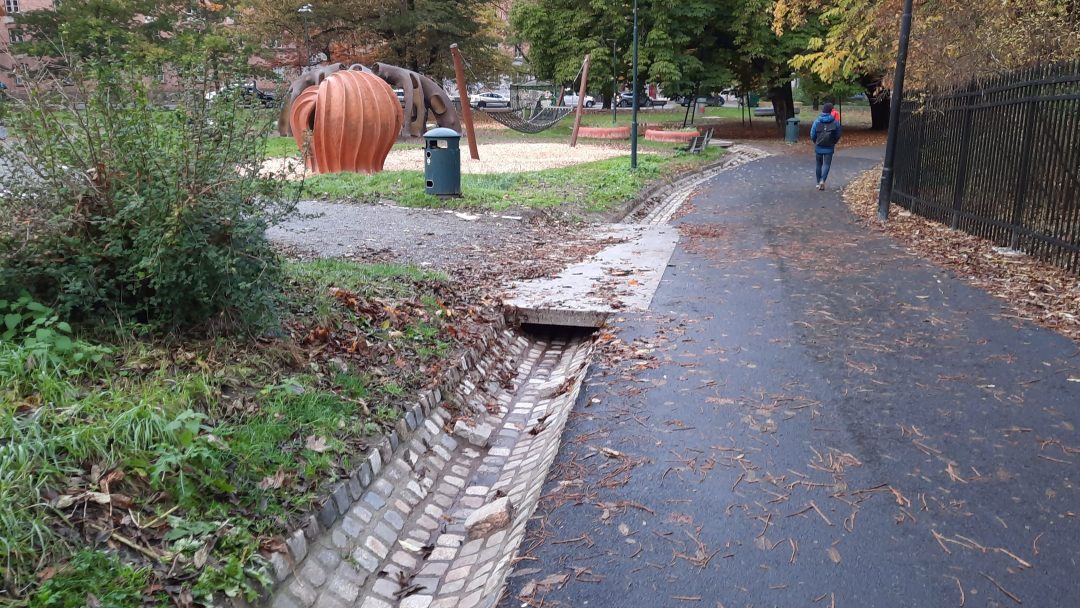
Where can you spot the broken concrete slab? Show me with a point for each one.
(619, 278)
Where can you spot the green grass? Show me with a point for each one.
(216, 441)
(590, 187)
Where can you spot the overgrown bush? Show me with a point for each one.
(115, 207)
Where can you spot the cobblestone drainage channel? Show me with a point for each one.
(434, 517)
(442, 519)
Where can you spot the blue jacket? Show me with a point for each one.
(824, 119)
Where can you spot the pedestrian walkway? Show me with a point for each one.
(810, 415)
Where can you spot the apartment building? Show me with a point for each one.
(9, 34)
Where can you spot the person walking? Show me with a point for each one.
(825, 133)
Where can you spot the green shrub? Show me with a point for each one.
(123, 209)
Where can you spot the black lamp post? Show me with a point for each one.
(896, 99)
(614, 85)
(304, 12)
(634, 106)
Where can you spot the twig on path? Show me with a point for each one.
(1035, 543)
(1009, 594)
(963, 598)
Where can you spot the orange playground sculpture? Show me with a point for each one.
(353, 117)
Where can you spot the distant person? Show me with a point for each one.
(835, 112)
(825, 133)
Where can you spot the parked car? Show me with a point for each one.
(725, 98)
(489, 100)
(246, 94)
(626, 100)
(571, 99)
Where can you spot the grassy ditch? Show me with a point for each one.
(593, 187)
(147, 470)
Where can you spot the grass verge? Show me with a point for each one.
(594, 187)
(165, 470)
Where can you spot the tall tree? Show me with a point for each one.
(415, 34)
(680, 43)
(145, 33)
(952, 40)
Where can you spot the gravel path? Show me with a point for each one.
(494, 158)
(482, 249)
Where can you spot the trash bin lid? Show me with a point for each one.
(442, 133)
(793, 120)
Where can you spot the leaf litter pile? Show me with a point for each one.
(1034, 290)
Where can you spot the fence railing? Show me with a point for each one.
(999, 159)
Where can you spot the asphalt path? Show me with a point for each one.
(810, 415)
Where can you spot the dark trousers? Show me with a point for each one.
(824, 162)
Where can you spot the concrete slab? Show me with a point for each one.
(621, 277)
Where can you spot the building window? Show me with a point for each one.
(11, 6)
(16, 35)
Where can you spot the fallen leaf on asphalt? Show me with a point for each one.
(834, 555)
(624, 529)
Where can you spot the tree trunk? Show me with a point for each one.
(783, 104)
(608, 98)
(879, 102)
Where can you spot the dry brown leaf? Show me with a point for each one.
(316, 443)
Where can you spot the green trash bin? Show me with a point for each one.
(755, 99)
(442, 162)
(791, 136)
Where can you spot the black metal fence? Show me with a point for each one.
(999, 159)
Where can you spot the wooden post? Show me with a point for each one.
(580, 100)
(463, 101)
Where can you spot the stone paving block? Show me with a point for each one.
(328, 558)
(471, 547)
(329, 600)
(302, 592)
(351, 526)
(344, 588)
(365, 559)
(403, 560)
(284, 600)
(434, 569)
(375, 460)
(281, 566)
(395, 437)
(428, 583)
(374, 500)
(376, 547)
(416, 601)
(364, 474)
(341, 498)
(355, 489)
(450, 540)
(313, 573)
(385, 587)
(443, 554)
(471, 601)
(395, 519)
(374, 602)
(456, 574)
(386, 534)
(328, 513)
(360, 512)
(297, 544)
(338, 539)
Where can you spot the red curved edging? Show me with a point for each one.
(670, 136)
(605, 132)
